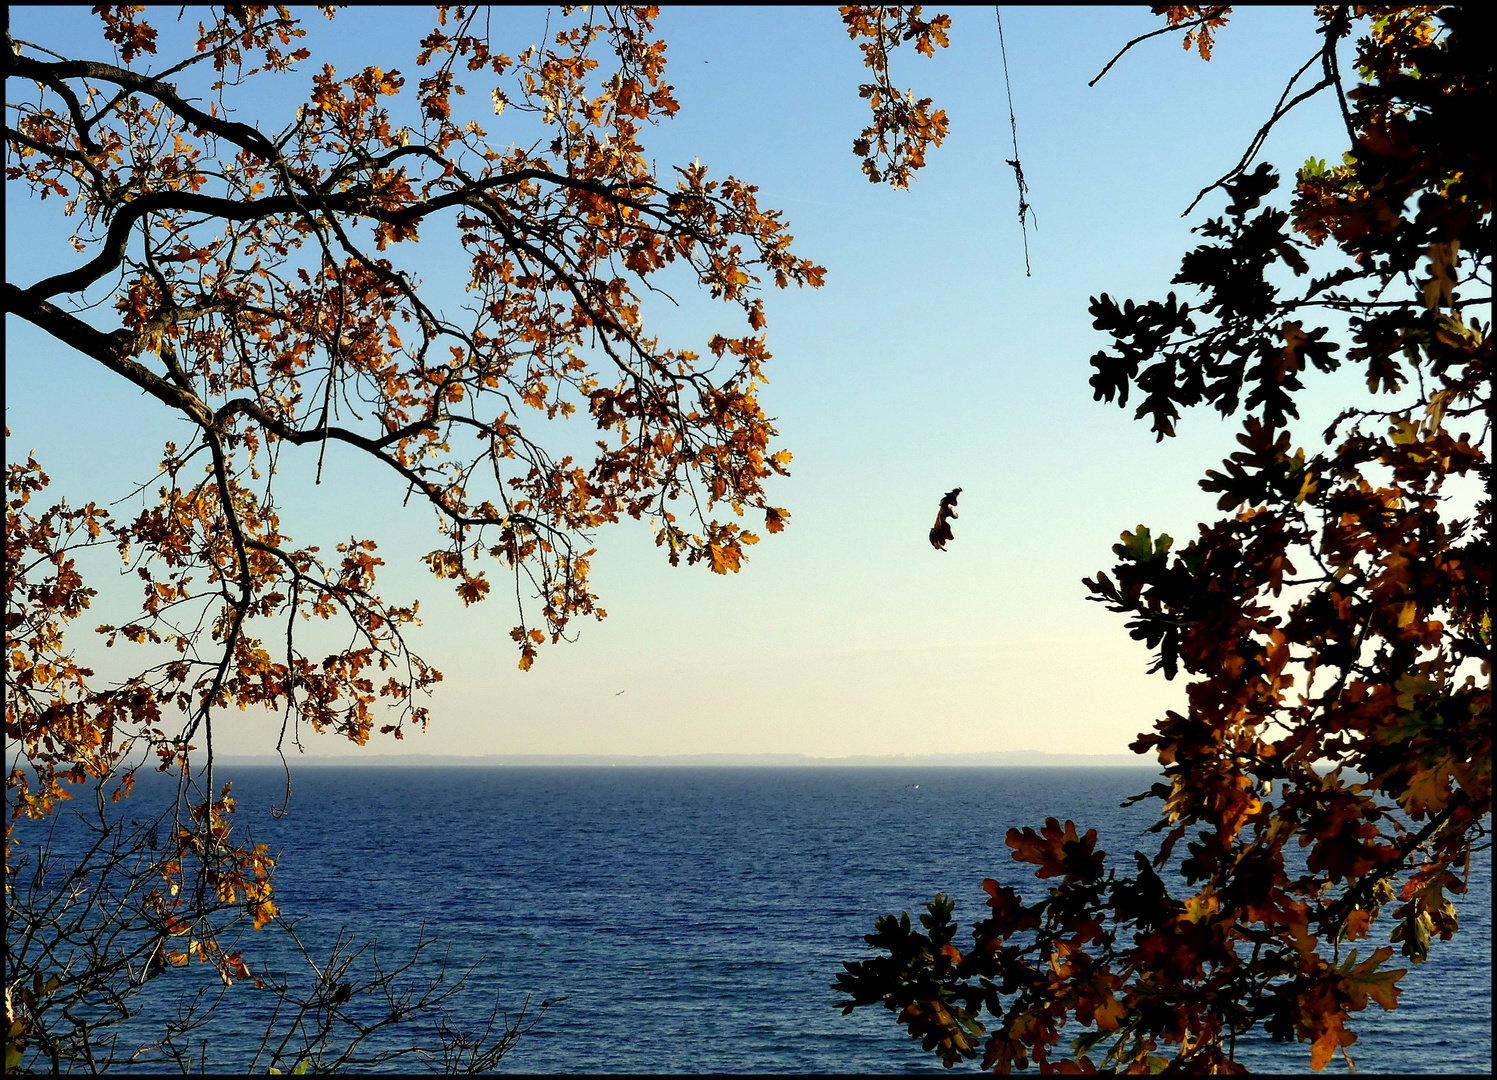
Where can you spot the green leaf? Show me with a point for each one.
(1139, 546)
(1084, 1042)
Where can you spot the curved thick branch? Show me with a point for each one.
(111, 350)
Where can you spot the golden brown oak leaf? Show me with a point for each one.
(941, 532)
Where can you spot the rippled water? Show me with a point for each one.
(694, 918)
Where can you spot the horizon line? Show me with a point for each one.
(1031, 758)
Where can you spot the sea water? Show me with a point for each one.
(693, 919)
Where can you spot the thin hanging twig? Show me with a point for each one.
(1214, 13)
(1013, 127)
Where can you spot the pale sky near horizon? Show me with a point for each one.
(928, 361)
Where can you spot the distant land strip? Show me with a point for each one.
(1002, 758)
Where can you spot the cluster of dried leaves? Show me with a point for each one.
(893, 146)
(1334, 763)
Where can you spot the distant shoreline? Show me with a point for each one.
(999, 759)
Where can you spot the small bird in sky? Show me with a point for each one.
(942, 530)
(616, 695)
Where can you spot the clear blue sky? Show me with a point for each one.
(928, 361)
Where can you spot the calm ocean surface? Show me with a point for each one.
(694, 918)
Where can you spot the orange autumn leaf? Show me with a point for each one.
(1363, 981)
(1057, 850)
